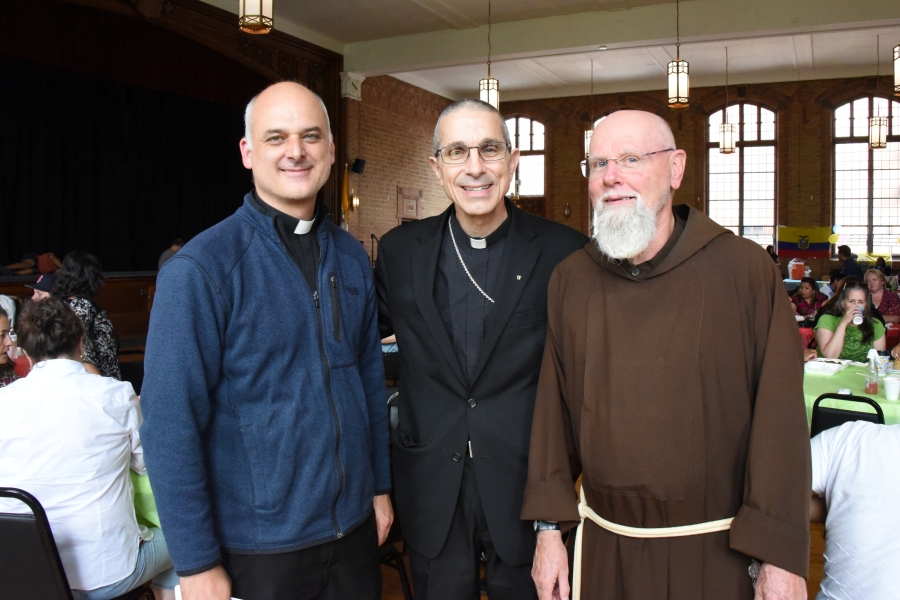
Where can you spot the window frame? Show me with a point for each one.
(870, 177)
(742, 143)
(534, 204)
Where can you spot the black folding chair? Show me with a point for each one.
(30, 568)
(825, 418)
(388, 554)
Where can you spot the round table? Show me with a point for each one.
(854, 379)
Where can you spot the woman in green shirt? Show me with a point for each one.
(837, 336)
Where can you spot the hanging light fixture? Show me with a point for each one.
(726, 129)
(679, 81)
(255, 16)
(897, 70)
(489, 89)
(878, 125)
(590, 132)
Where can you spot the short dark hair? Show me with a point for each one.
(81, 275)
(49, 329)
(835, 275)
(177, 242)
(844, 250)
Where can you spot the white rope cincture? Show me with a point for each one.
(586, 512)
(463, 263)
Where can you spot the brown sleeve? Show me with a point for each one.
(773, 522)
(553, 456)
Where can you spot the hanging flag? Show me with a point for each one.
(804, 242)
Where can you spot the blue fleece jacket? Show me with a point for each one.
(265, 425)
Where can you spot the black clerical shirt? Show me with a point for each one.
(302, 247)
(463, 308)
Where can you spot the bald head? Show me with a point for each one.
(640, 128)
(284, 92)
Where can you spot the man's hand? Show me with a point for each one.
(550, 570)
(777, 584)
(384, 516)
(208, 585)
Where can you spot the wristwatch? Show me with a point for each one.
(546, 526)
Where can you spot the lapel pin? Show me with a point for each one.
(518, 277)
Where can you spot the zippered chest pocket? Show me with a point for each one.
(337, 325)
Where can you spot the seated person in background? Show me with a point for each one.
(43, 287)
(33, 263)
(807, 300)
(7, 365)
(881, 265)
(849, 266)
(773, 254)
(69, 438)
(170, 252)
(886, 301)
(834, 280)
(79, 281)
(837, 336)
(854, 483)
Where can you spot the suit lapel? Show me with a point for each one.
(424, 269)
(519, 258)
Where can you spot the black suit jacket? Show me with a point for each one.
(439, 409)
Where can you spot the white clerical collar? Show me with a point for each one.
(478, 243)
(303, 227)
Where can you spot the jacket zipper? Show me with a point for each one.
(334, 414)
(335, 309)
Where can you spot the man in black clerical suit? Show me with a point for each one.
(466, 295)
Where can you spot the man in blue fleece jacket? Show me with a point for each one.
(265, 426)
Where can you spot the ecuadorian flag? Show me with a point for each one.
(803, 242)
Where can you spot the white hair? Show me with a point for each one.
(625, 232)
(248, 116)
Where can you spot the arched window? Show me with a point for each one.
(867, 182)
(741, 190)
(528, 184)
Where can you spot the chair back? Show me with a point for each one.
(826, 418)
(30, 568)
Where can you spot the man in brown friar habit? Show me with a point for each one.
(672, 382)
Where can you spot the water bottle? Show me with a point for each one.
(14, 348)
(872, 373)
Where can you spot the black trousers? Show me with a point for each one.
(454, 573)
(344, 569)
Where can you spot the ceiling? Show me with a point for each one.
(549, 48)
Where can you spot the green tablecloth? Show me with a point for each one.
(852, 378)
(144, 504)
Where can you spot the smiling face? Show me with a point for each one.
(476, 187)
(632, 133)
(291, 152)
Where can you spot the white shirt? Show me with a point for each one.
(68, 438)
(854, 467)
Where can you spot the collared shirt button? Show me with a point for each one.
(472, 403)
(457, 457)
(635, 272)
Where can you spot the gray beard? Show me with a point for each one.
(623, 233)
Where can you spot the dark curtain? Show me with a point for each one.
(119, 170)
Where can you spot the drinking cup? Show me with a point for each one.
(891, 388)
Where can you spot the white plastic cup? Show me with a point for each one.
(858, 318)
(891, 388)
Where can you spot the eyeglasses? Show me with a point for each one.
(456, 154)
(627, 164)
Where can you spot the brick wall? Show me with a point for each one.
(397, 119)
(391, 129)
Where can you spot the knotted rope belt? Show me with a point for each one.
(586, 512)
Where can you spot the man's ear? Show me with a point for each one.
(436, 167)
(676, 167)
